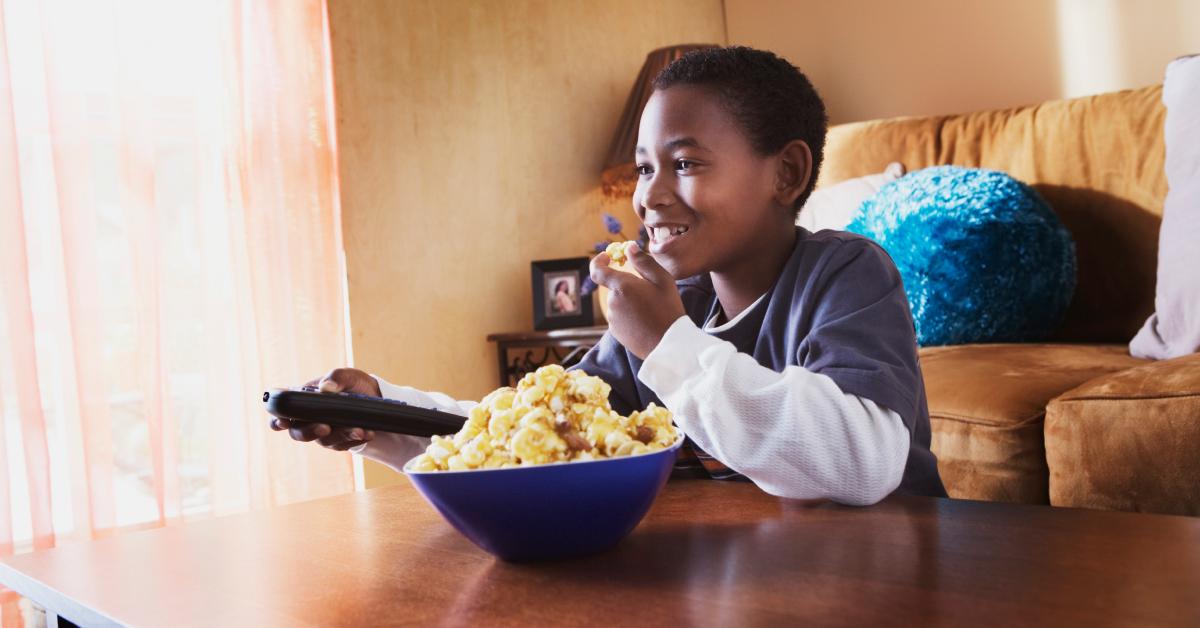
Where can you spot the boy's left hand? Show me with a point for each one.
(640, 309)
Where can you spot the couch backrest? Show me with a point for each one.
(1098, 161)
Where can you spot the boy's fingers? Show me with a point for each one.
(605, 275)
(600, 271)
(309, 432)
(348, 380)
(600, 261)
(341, 435)
(339, 439)
(614, 280)
(346, 444)
(649, 267)
(329, 384)
(343, 439)
(338, 380)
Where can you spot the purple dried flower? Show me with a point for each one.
(643, 237)
(588, 286)
(612, 224)
(600, 246)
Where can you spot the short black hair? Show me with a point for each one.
(772, 100)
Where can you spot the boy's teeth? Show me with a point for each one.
(662, 233)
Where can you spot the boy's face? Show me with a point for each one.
(706, 197)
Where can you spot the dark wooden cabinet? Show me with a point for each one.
(521, 352)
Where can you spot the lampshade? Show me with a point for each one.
(619, 177)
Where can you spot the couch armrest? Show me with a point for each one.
(1129, 440)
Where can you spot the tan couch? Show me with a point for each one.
(1075, 421)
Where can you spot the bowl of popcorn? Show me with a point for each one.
(547, 469)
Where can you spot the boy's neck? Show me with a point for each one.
(739, 286)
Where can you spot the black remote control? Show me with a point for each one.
(364, 411)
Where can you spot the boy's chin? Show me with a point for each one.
(679, 269)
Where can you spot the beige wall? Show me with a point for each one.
(471, 136)
(872, 59)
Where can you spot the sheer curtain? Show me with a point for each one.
(170, 247)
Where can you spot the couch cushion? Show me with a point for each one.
(1174, 329)
(1097, 160)
(832, 206)
(1129, 440)
(987, 403)
(983, 257)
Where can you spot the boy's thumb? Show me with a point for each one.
(329, 385)
(648, 267)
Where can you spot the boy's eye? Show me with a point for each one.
(643, 169)
(684, 164)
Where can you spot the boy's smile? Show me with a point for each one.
(708, 200)
(663, 236)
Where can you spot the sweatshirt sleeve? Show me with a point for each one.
(394, 450)
(794, 433)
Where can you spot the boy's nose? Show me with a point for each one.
(654, 195)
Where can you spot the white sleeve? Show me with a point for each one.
(794, 434)
(394, 450)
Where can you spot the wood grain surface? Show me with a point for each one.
(709, 553)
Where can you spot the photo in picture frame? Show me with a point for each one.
(558, 297)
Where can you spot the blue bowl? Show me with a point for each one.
(549, 511)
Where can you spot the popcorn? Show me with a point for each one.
(618, 252)
(551, 416)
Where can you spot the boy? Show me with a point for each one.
(789, 358)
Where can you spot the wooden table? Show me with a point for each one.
(709, 553)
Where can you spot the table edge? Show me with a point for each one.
(52, 600)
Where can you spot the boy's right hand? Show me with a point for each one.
(341, 438)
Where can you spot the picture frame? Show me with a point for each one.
(558, 297)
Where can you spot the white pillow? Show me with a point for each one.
(1174, 328)
(832, 207)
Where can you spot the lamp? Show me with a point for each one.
(619, 177)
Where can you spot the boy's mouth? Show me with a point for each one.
(663, 236)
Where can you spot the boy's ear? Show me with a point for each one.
(793, 170)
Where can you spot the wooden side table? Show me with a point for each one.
(561, 346)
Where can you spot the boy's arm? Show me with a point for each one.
(394, 450)
(840, 425)
(793, 433)
(609, 361)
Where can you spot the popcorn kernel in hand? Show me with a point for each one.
(618, 252)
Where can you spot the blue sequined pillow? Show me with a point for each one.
(983, 257)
